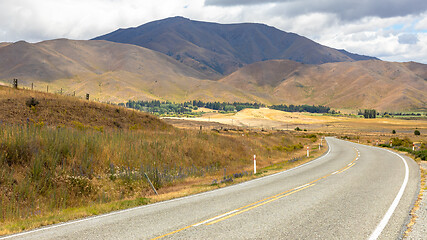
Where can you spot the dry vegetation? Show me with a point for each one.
(56, 110)
(91, 158)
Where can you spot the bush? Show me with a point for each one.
(298, 129)
(393, 132)
(421, 154)
(406, 142)
(32, 102)
(417, 133)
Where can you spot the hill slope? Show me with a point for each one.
(58, 110)
(220, 49)
(108, 71)
(363, 84)
(120, 72)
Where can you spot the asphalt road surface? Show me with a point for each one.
(352, 192)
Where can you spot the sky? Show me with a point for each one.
(392, 30)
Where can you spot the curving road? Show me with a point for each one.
(352, 192)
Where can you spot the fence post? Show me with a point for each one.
(152, 186)
(15, 83)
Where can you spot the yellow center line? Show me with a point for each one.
(259, 203)
(167, 234)
(345, 169)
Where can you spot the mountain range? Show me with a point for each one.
(220, 49)
(189, 60)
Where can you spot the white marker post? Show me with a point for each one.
(321, 142)
(308, 152)
(391, 144)
(413, 146)
(254, 164)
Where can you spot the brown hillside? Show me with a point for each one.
(107, 71)
(58, 110)
(364, 84)
(3, 44)
(120, 72)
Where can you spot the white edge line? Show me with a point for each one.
(163, 202)
(303, 186)
(394, 204)
(215, 218)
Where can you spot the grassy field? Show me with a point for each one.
(65, 158)
(74, 158)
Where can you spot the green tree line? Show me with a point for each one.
(301, 108)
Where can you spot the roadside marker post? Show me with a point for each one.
(391, 144)
(308, 152)
(151, 184)
(254, 164)
(413, 146)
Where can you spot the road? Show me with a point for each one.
(352, 192)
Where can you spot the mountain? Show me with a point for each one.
(118, 72)
(220, 49)
(108, 71)
(386, 86)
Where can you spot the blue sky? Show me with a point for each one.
(392, 30)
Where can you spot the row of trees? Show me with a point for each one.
(228, 107)
(167, 107)
(372, 113)
(301, 108)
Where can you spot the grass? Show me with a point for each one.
(57, 110)
(51, 174)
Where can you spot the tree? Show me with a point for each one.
(394, 131)
(416, 132)
(370, 113)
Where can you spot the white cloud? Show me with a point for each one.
(366, 27)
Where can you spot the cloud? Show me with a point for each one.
(408, 39)
(344, 9)
(80, 19)
(389, 29)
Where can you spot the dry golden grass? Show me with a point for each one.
(57, 110)
(80, 164)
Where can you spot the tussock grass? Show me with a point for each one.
(45, 170)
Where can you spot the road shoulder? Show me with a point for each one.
(419, 229)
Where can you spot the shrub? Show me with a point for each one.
(421, 154)
(406, 142)
(393, 132)
(417, 133)
(32, 102)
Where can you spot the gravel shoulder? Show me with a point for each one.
(419, 229)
